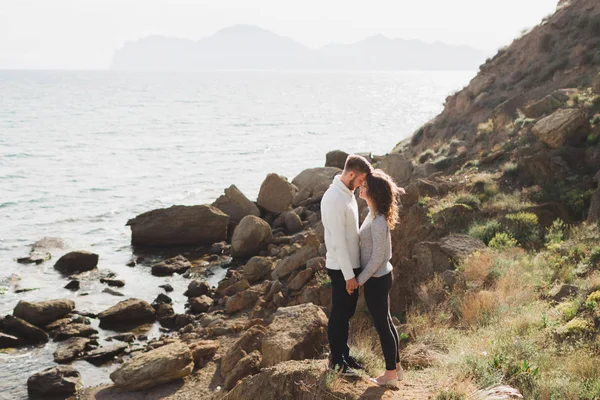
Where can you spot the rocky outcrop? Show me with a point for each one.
(276, 194)
(30, 334)
(250, 237)
(236, 205)
(176, 265)
(561, 127)
(179, 226)
(546, 105)
(76, 261)
(398, 167)
(296, 333)
(241, 301)
(203, 350)
(312, 178)
(161, 365)
(439, 256)
(61, 381)
(249, 365)
(336, 159)
(247, 343)
(292, 263)
(257, 269)
(41, 313)
(301, 279)
(129, 312)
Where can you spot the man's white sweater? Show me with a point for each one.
(339, 214)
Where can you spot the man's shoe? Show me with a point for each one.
(343, 369)
(352, 363)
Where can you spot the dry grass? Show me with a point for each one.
(507, 202)
(477, 267)
(478, 308)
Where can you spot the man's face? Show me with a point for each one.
(356, 180)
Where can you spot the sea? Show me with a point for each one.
(81, 152)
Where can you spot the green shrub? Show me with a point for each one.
(556, 233)
(524, 227)
(469, 200)
(510, 169)
(502, 240)
(595, 257)
(593, 139)
(485, 231)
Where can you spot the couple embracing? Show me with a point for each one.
(360, 257)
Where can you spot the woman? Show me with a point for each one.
(381, 194)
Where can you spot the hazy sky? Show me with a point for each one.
(85, 33)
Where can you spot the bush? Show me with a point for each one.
(469, 200)
(485, 231)
(595, 257)
(556, 233)
(510, 169)
(502, 240)
(524, 227)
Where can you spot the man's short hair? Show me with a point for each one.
(357, 164)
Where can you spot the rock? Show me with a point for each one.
(295, 261)
(163, 310)
(9, 341)
(247, 343)
(257, 269)
(71, 349)
(316, 264)
(167, 287)
(453, 278)
(398, 167)
(560, 127)
(112, 292)
(336, 159)
(40, 251)
(161, 299)
(236, 205)
(276, 194)
(73, 285)
(179, 226)
(203, 350)
(279, 300)
(301, 279)
(241, 301)
(197, 288)
(113, 282)
(41, 313)
(234, 288)
(296, 333)
(594, 211)
(22, 329)
(250, 237)
(311, 178)
(596, 84)
(201, 304)
(128, 312)
(158, 366)
(458, 246)
(73, 330)
(58, 381)
(276, 287)
(544, 167)
(546, 105)
(175, 265)
(105, 354)
(561, 292)
(248, 365)
(126, 337)
(293, 223)
(76, 261)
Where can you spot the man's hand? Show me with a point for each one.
(351, 285)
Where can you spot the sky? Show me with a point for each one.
(84, 34)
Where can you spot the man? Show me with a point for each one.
(339, 214)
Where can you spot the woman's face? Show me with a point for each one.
(364, 191)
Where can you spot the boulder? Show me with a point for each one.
(311, 178)
(128, 312)
(398, 167)
(247, 343)
(76, 261)
(126, 337)
(71, 349)
(73, 285)
(296, 333)
(74, 330)
(543, 167)
(203, 350)
(40, 251)
(293, 223)
(113, 282)
(112, 292)
(197, 288)
(105, 354)
(24, 330)
(236, 205)
(61, 381)
(250, 237)
(233, 288)
(201, 304)
(179, 226)
(336, 159)
(241, 301)
(295, 261)
(561, 127)
(161, 365)
(257, 269)
(457, 246)
(301, 279)
(559, 293)
(175, 265)
(546, 105)
(249, 365)
(41, 313)
(9, 341)
(276, 194)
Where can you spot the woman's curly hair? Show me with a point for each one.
(384, 194)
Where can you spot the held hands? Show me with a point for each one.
(351, 285)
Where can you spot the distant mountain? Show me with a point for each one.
(250, 47)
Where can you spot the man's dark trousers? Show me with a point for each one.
(343, 306)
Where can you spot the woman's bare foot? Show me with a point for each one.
(399, 371)
(386, 378)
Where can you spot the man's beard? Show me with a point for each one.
(352, 184)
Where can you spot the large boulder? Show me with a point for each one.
(74, 330)
(241, 301)
(252, 235)
(546, 105)
(164, 364)
(201, 304)
(296, 333)
(249, 365)
(203, 350)
(301, 279)
(62, 381)
(235, 204)
(398, 167)
(71, 349)
(9, 341)
(76, 261)
(311, 178)
(128, 312)
(41, 313)
(561, 127)
(257, 269)
(22, 329)
(295, 261)
(336, 159)
(436, 257)
(197, 288)
(247, 343)
(276, 194)
(179, 226)
(175, 265)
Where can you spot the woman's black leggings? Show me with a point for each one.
(377, 296)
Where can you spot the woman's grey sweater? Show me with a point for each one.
(375, 248)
